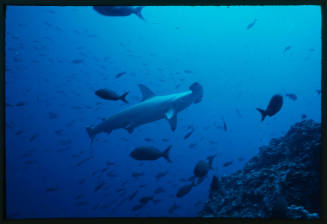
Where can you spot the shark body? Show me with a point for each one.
(151, 108)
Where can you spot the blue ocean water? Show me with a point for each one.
(57, 57)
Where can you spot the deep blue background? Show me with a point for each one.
(239, 70)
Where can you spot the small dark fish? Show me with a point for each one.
(225, 125)
(84, 161)
(30, 162)
(77, 61)
(9, 105)
(303, 116)
(59, 132)
(159, 190)
(119, 10)
(137, 174)
(226, 164)
(137, 207)
(65, 142)
(82, 203)
(142, 186)
(161, 175)
(52, 115)
(165, 139)
(34, 137)
(275, 104)
(79, 196)
(150, 153)
(318, 91)
(291, 96)
(148, 139)
(145, 199)
(20, 104)
(120, 74)
(98, 187)
(188, 71)
(287, 48)
(212, 142)
(192, 145)
(173, 208)
(104, 170)
(111, 95)
(19, 132)
(202, 167)
(184, 190)
(132, 195)
(51, 189)
(82, 181)
(188, 134)
(251, 24)
(241, 159)
(109, 163)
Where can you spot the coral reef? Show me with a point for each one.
(281, 181)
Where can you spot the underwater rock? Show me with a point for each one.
(281, 181)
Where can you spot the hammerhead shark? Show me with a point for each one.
(151, 108)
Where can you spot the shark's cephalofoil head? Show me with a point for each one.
(197, 92)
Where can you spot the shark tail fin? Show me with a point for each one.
(165, 154)
(138, 12)
(263, 113)
(123, 97)
(197, 92)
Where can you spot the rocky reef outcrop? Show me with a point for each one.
(282, 181)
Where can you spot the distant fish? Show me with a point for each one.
(137, 174)
(52, 115)
(98, 187)
(226, 164)
(34, 136)
(30, 162)
(165, 139)
(274, 106)
(251, 24)
(119, 10)
(84, 161)
(51, 189)
(132, 195)
(120, 74)
(192, 145)
(138, 207)
(184, 190)
(146, 199)
(110, 95)
(148, 139)
(225, 125)
(318, 91)
(77, 61)
(20, 104)
(292, 96)
(188, 134)
(173, 208)
(161, 174)
(19, 132)
(303, 116)
(201, 169)
(287, 48)
(188, 71)
(241, 159)
(159, 190)
(150, 153)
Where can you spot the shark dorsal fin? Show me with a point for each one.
(146, 92)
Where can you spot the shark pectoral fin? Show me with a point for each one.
(129, 128)
(146, 92)
(171, 116)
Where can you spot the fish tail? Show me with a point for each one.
(263, 113)
(138, 12)
(91, 133)
(165, 154)
(123, 97)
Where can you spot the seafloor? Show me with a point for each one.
(281, 181)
